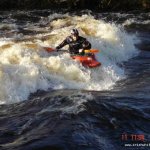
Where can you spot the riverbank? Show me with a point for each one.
(98, 5)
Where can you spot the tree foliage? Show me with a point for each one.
(76, 4)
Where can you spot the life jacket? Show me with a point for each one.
(75, 45)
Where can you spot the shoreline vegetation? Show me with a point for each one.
(97, 5)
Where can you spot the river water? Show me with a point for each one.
(49, 101)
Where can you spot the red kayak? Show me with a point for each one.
(87, 61)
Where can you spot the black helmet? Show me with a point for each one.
(74, 32)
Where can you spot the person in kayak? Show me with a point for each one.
(77, 44)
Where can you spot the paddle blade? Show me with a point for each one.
(91, 51)
(49, 49)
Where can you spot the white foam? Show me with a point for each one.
(135, 21)
(24, 69)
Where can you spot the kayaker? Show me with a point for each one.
(77, 44)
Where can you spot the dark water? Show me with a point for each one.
(56, 120)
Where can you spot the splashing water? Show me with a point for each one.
(25, 67)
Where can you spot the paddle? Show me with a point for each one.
(91, 51)
(50, 49)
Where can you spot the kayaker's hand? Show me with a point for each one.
(57, 48)
(80, 50)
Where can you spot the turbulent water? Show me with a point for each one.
(50, 101)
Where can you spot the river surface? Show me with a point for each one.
(49, 101)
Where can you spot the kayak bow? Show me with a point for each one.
(87, 61)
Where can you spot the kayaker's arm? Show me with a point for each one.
(86, 45)
(65, 42)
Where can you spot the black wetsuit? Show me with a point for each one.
(74, 46)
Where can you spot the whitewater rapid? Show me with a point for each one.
(26, 67)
